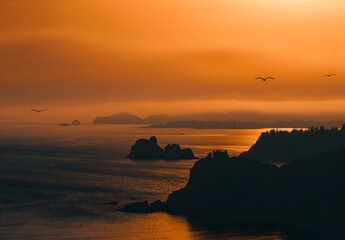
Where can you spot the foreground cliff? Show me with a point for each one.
(308, 194)
(285, 147)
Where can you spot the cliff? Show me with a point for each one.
(308, 194)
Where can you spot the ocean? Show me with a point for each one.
(57, 182)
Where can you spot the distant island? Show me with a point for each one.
(126, 118)
(242, 125)
(149, 149)
(213, 120)
(284, 146)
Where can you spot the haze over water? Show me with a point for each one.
(56, 182)
(85, 59)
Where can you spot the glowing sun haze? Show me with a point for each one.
(89, 58)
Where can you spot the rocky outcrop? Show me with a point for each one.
(307, 194)
(174, 152)
(149, 149)
(219, 181)
(146, 149)
(137, 207)
(144, 207)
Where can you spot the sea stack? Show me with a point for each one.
(149, 149)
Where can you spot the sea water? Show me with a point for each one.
(57, 182)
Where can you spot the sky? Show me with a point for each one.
(87, 58)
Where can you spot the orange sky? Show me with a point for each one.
(95, 57)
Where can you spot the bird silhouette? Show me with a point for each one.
(330, 75)
(265, 78)
(39, 111)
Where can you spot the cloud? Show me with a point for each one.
(116, 51)
(59, 71)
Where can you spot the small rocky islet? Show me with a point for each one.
(149, 149)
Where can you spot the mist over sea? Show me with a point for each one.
(56, 182)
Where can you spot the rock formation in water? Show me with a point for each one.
(149, 149)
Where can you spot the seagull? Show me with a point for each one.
(39, 111)
(330, 75)
(265, 78)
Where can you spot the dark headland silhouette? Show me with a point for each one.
(307, 195)
(149, 149)
(284, 146)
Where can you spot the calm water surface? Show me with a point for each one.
(55, 182)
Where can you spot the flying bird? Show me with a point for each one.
(330, 75)
(265, 78)
(39, 111)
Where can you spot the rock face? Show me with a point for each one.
(307, 194)
(149, 149)
(284, 147)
